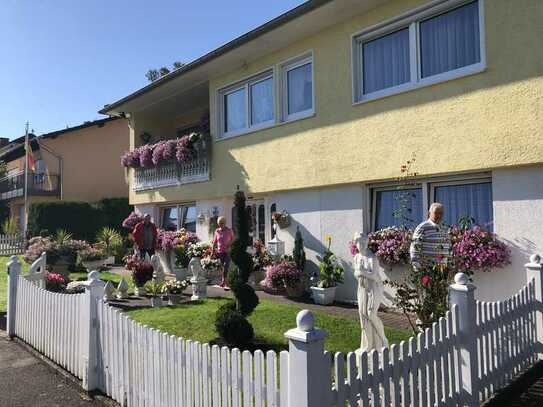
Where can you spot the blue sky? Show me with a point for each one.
(62, 60)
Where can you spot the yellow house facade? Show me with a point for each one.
(80, 163)
(315, 112)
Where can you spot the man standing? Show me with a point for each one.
(145, 235)
(431, 244)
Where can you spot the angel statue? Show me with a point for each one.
(370, 296)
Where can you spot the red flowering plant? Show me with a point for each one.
(54, 282)
(142, 270)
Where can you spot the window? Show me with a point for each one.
(180, 216)
(397, 207)
(466, 200)
(247, 105)
(297, 79)
(433, 45)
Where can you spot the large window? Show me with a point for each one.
(397, 207)
(297, 79)
(466, 200)
(180, 216)
(250, 104)
(437, 44)
(469, 198)
(247, 105)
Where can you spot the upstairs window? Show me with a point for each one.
(436, 44)
(247, 105)
(297, 78)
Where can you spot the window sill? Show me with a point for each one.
(303, 116)
(430, 81)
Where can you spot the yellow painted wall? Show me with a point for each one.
(488, 120)
(91, 161)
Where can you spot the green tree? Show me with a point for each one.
(231, 320)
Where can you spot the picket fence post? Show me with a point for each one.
(534, 272)
(14, 271)
(94, 291)
(462, 294)
(307, 385)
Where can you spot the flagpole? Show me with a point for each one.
(25, 220)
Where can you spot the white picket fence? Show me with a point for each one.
(463, 359)
(12, 244)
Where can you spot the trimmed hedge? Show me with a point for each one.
(82, 219)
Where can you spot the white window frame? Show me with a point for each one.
(178, 207)
(428, 189)
(285, 68)
(375, 190)
(412, 21)
(246, 85)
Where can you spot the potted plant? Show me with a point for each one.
(282, 219)
(330, 275)
(54, 282)
(174, 289)
(180, 256)
(261, 260)
(91, 258)
(142, 272)
(155, 290)
(284, 277)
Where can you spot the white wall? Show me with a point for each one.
(152, 210)
(222, 206)
(518, 214)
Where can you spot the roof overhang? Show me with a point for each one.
(190, 81)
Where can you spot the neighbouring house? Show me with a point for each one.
(79, 163)
(315, 111)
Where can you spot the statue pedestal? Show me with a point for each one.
(199, 288)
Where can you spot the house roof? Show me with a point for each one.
(15, 149)
(319, 14)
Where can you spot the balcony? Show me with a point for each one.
(13, 186)
(171, 174)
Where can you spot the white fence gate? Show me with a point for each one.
(463, 359)
(12, 244)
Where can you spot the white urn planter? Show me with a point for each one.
(323, 296)
(93, 265)
(198, 280)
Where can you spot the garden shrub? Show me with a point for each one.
(231, 323)
(83, 220)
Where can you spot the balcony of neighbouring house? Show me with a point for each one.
(174, 171)
(39, 184)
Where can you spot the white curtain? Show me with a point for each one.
(398, 208)
(469, 200)
(450, 41)
(385, 61)
(235, 112)
(300, 89)
(262, 101)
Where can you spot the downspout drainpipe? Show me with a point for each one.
(60, 166)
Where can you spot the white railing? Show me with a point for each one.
(12, 244)
(463, 359)
(171, 174)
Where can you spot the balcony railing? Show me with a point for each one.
(13, 186)
(171, 174)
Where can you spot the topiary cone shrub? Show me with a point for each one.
(299, 253)
(231, 319)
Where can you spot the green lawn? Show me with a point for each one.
(270, 320)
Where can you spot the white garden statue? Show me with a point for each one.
(198, 280)
(370, 296)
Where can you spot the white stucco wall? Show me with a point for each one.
(518, 210)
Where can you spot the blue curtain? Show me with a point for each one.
(471, 200)
(234, 111)
(398, 208)
(386, 61)
(450, 41)
(262, 101)
(300, 89)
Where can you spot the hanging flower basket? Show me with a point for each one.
(282, 219)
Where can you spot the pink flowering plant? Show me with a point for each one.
(261, 257)
(132, 220)
(281, 275)
(390, 245)
(180, 150)
(54, 282)
(142, 270)
(476, 249)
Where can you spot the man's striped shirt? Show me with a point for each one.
(431, 244)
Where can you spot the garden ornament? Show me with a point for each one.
(122, 289)
(158, 271)
(370, 296)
